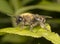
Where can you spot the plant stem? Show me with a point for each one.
(13, 22)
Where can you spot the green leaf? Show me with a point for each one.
(37, 32)
(24, 9)
(53, 37)
(24, 2)
(16, 4)
(46, 6)
(12, 38)
(54, 21)
(5, 8)
(49, 6)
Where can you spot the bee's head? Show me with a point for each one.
(19, 19)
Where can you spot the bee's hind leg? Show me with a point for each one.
(32, 26)
(43, 25)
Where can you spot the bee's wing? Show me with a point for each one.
(45, 16)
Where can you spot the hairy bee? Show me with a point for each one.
(31, 20)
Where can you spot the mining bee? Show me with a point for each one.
(31, 20)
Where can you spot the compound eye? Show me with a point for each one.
(19, 19)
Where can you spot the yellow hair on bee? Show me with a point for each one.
(28, 15)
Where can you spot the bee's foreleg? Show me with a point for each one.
(22, 25)
(31, 27)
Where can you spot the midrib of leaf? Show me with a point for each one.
(5, 8)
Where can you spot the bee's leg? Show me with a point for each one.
(33, 25)
(42, 23)
(30, 26)
(43, 26)
(22, 25)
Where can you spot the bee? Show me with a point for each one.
(31, 20)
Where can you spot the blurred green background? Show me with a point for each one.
(41, 7)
